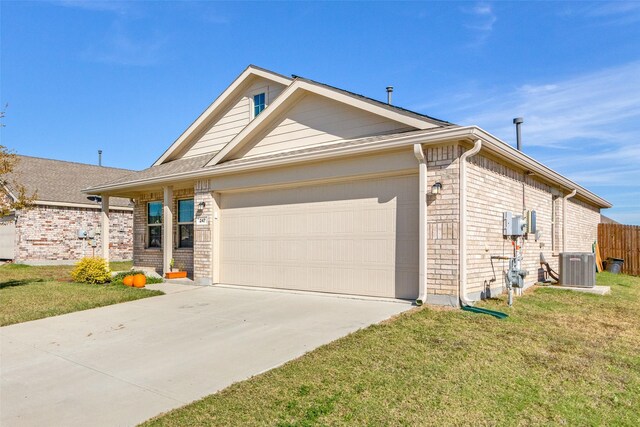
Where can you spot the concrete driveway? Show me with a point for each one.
(122, 364)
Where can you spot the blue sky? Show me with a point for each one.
(128, 78)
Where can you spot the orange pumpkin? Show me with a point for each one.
(128, 280)
(139, 280)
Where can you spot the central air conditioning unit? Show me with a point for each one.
(578, 269)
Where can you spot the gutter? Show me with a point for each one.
(463, 222)
(564, 218)
(422, 229)
(491, 143)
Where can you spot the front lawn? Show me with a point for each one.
(30, 292)
(561, 358)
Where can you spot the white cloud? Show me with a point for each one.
(585, 126)
(600, 107)
(482, 18)
(119, 7)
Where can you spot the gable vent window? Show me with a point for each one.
(259, 103)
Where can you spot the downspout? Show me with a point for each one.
(564, 218)
(463, 221)
(422, 228)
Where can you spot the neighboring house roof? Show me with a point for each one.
(58, 181)
(607, 220)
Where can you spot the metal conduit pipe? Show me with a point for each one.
(564, 219)
(422, 228)
(463, 222)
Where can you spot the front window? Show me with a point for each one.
(154, 224)
(185, 223)
(259, 103)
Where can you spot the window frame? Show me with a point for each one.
(260, 91)
(184, 223)
(149, 225)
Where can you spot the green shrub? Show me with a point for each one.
(91, 270)
(117, 279)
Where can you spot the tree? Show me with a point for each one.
(13, 195)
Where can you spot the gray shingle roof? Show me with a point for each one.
(392, 107)
(62, 181)
(194, 164)
(166, 169)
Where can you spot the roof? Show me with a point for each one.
(380, 103)
(59, 181)
(301, 87)
(173, 167)
(194, 168)
(411, 118)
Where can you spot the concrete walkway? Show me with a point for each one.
(122, 364)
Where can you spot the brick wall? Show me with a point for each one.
(50, 233)
(203, 245)
(495, 187)
(152, 257)
(443, 223)
(582, 225)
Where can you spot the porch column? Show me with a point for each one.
(167, 229)
(104, 222)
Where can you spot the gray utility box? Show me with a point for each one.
(578, 269)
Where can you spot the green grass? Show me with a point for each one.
(561, 358)
(30, 292)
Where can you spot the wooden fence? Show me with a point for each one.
(621, 241)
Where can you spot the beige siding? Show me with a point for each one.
(315, 120)
(233, 120)
(357, 237)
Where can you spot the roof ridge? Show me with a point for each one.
(75, 163)
(381, 103)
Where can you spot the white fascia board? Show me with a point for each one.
(8, 192)
(506, 151)
(80, 205)
(215, 106)
(467, 133)
(288, 96)
(449, 134)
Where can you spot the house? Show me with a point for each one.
(63, 225)
(290, 183)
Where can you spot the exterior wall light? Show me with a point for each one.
(436, 188)
(201, 205)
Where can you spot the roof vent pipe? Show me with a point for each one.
(389, 92)
(518, 121)
(99, 157)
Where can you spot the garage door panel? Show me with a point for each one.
(357, 237)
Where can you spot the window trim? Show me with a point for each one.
(263, 90)
(179, 223)
(148, 226)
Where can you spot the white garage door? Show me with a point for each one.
(7, 237)
(358, 237)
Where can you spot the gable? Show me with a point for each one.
(233, 119)
(315, 120)
(207, 132)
